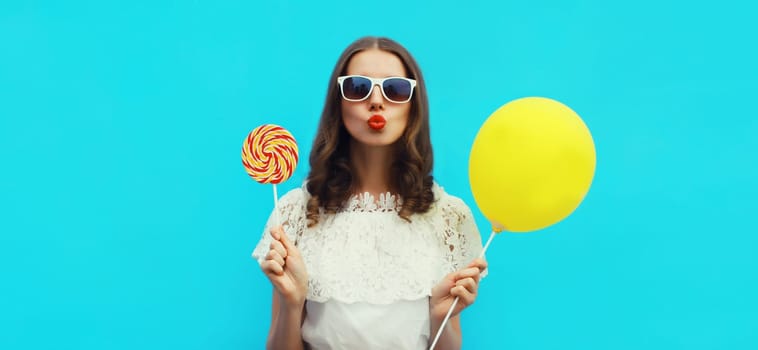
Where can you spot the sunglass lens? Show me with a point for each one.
(356, 88)
(397, 90)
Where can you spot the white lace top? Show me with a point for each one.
(369, 256)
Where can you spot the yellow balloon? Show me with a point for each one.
(531, 164)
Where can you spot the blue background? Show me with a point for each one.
(127, 220)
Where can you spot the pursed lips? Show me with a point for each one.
(377, 122)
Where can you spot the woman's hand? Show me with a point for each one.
(462, 283)
(285, 269)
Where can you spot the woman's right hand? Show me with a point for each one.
(285, 268)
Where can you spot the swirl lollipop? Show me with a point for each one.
(269, 155)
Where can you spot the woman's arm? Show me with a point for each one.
(285, 325)
(285, 269)
(451, 338)
(462, 284)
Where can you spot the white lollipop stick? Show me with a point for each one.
(455, 302)
(276, 207)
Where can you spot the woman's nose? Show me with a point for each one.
(376, 100)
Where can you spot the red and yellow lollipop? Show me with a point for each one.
(269, 155)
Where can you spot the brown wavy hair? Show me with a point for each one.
(331, 180)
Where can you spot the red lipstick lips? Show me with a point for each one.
(377, 122)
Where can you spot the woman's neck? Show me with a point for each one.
(371, 166)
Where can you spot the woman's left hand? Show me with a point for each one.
(462, 283)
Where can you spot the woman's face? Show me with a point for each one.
(363, 119)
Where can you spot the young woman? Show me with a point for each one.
(371, 252)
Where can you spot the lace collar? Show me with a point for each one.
(366, 202)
